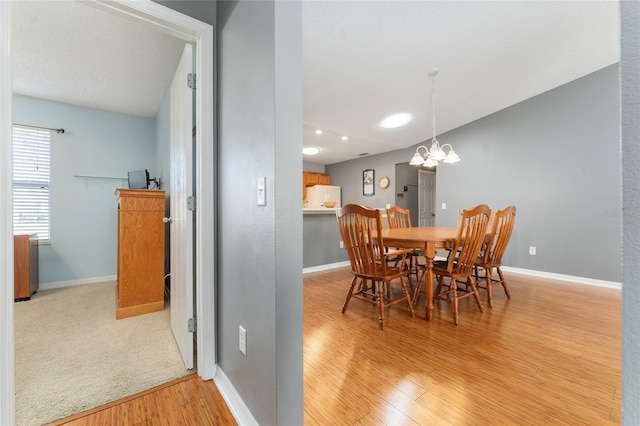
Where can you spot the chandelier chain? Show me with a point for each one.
(433, 105)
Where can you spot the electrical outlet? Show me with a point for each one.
(242, 340)
(532, 251)
(341, 244)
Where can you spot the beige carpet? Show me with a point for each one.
(72, 354)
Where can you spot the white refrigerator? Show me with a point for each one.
(318, 194)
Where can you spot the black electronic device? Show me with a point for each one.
(138, 179)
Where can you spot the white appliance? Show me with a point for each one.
(318, 194)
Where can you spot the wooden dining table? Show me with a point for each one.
(429, 239)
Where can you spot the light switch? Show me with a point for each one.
(262, 191)
(444, 206)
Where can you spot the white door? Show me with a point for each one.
(426, 197)
(181, 225)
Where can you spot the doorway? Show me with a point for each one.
(415, 190)
(177, 25)
(426, 197)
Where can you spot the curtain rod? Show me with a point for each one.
(60, 130)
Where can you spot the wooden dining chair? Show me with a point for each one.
(361, 231)
(397, 217)
(491, 254)
(471, 234)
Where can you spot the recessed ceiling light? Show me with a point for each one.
(344, 138)
(310, 150)
(318, 132)
(396, 120)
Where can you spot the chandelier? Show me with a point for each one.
(436, 153)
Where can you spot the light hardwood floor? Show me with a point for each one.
(549, 356)
(185, 401)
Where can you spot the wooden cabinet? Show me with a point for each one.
(314, 178)
(25, 266)
(140, 287)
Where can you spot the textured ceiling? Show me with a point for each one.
(362, 60)
(74, 53)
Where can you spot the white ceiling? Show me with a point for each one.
(71, 52)
(363, 60)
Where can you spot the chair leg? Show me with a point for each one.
(349, 294)
(472, 283)
(504, 283)
(407, 296)
(440, 281)
(412, 270)
(381, 303)
(416, 291)
(454, 299)
(488, 277)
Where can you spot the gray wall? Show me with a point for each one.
(322, 238)
(84, 213)
(348, 175)
(312, 167)
(555, 156)
(260, 256)
(630, 12)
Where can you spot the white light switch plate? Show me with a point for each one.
(262, 191)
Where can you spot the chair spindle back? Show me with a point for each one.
(500, 235)
(359, 228)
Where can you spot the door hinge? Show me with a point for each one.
(191, 203)
(191, 325)
(191, 81)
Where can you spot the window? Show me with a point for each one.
(31, 148)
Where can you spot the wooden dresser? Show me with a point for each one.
(25, 266)
(140, 288)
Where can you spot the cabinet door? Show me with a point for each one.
(309, 178)
(324, 179)
(141, 251)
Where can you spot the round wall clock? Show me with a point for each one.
(383, 182)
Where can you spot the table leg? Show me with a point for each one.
(429, 254)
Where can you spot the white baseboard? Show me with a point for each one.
(541, 274)
(72, 283)
(325, 267)
(562, 277)
(235, 403)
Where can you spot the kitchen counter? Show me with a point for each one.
(321, 210)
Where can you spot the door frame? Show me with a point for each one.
(181, 26)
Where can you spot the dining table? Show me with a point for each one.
(428, 239)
